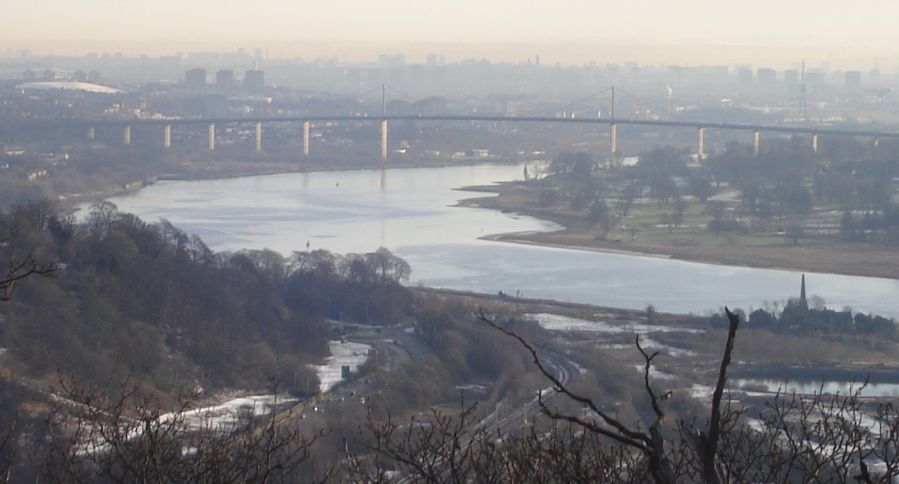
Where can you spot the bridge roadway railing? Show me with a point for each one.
(700, 126)
(696, 124)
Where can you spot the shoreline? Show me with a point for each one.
(813, 259)
(863, 261)
(71, 201)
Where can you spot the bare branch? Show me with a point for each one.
(708, 441)
(656, 407)
(630, 436)
(19, 270)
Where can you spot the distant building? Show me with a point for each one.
(430, 106)
(224, 79)
(195, 78)
(395, 60)
(791, 76)
(803, 301)
(766, 75)
(399, 107)
(744, 75)
(796, 312)
(254, 81)
(436, 59)
(874, 75)
(816, 77)
(853, 79)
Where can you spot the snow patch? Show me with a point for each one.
(555, 322)
(220, 419)
(651, 344)
(655, 373)
(342, 354)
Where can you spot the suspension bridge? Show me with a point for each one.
(305, 124)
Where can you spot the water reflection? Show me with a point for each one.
(413, 215)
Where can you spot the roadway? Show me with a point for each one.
(66, 124)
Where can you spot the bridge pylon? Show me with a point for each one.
(211, 137)
(383, 140)
(700, 144)
(305, 138)
(613, 145)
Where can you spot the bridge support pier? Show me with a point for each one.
(756, 142)
(126, 135)
(211, 136)
(258, 137)
(305, 138)
(815, 142)
(383, 140)
(700, 143)
(91, 133)
(613, 145)
(167, 136)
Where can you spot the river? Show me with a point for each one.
(412, 212)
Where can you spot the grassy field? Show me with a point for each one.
(642, 231)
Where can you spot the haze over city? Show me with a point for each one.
(573, 31)
(397, 242)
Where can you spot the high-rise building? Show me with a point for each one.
(791, 76)
(853, 79)
(224, 79)
(766, 75)
(254, 80)
(195, 78)
(874, 75)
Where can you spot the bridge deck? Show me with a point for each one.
(88, 123)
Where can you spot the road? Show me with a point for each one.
(496, 423)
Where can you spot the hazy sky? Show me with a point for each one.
(592, 29)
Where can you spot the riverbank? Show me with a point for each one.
(228, 169)
(811, 256)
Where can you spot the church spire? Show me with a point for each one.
(803, 302)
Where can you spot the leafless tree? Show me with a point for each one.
(793, 438)
(102, 436)
(19, 269)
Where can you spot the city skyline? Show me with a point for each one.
(692, 32)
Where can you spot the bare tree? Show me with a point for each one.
(792, 438)
(19, 269)
(120, 437)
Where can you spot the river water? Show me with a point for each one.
(412, 212)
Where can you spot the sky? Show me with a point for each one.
(568, 31)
